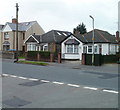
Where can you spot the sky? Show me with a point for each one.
(63, 15)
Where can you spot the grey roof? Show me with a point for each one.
(100, 37)
(55, 36)
(21, 26)
(51, 37)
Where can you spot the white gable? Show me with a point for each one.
(72, 37)
(6, 28)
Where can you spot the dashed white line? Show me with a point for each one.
(92, 88)
(73, 85)
(13, 76)
(5, 75)
(32, 79)
(44, 81)
(111, 91)
(60, 83)
(22, 77)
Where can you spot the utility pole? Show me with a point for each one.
(17, 31)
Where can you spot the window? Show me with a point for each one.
(95, 49)
(75, 48)
(64, 34)
(85, 49)
(23, 36)
(59, 33)
(31, 47)
(69, 48)
(45, 48)
(6, 35)
(72, 48)
(89, 48)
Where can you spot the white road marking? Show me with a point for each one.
(44, 81)
(92, 88)
(60, 83)
(22, 77)
(33, 79)
(13, 76)
(5, 75)
(111, 91)
(73, 85)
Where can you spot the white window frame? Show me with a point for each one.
(6, 35)
(31, 46)
(72, 49)
(90, 48)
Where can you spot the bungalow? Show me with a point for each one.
(72, 46)
(50, 41)
(75, 45)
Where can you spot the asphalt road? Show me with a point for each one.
(62, 74)
(57, 86)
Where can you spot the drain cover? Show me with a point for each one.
(33, 83)
(16, 102)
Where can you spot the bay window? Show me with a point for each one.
(31, 47)
(72, 48)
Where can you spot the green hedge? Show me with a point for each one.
(45, 54)
(32, 53)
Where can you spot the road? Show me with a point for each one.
(65, 87)
(63, 74)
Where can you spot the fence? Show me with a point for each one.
(99, 59)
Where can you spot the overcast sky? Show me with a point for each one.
(63, 14)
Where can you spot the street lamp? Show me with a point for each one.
(93, 41)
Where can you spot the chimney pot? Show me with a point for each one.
(14, 20)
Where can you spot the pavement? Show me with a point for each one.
(106, 68)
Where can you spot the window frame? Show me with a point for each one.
(6, 36)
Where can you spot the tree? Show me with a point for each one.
(81, 28)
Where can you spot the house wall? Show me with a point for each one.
(35, 28)
(105, 49)
(74, 56)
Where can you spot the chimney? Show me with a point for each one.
(117, 36)
(14, 20)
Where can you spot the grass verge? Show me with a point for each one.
(34, 63)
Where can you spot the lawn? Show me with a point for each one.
(34, 63)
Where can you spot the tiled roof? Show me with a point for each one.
(21, 26)
(51, 36)
(55, 36)
(100, 37)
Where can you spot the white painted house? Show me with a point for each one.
(71, 48)
(75, 45)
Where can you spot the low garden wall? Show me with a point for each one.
(45, 56)
(7, 55)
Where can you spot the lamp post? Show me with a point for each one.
(17, 31)
(93, 41)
